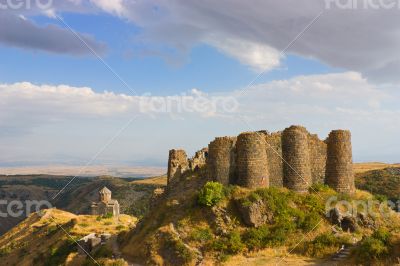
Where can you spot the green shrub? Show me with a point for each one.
(383, 235)
(182, 252)
(257, 238)
(120, 227)
(5, 251)
(211, 194)
(103, 252)
(59, 254)
(323, 244)
(381, 198)
(84, 225)
(376, 246)
(107, 216)
(319, 187)
(202, 235)
(279, 235)
(371, 249)
(235, 244)
(310, 222)
(51, 230)
(314, 203)
(231, 244)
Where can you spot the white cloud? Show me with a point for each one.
(258, 56)
(365, 41)
(320, 102)
(25, 106)
(111, 6)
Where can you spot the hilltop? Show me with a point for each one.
(382, 182)
(48, 238)
(133, 194)
(261, 226)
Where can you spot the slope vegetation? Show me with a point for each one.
(203, 222)
(48, 238)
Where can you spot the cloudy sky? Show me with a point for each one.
(124, 81)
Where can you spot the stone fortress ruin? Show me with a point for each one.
(293, 158)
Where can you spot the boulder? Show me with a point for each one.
(256, 213)
(349, 224)
(334, 216)
(345, 222)
(365, 220)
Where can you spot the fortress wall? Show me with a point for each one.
(251, 160)
(221, 160)
(274, 159)
(199, 159)
(177, 164)
(318, 150)
(339, 164)
(295, 151)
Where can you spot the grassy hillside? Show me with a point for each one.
(50, 239)
(385, 182)
(365, 167)
(133, 195)
(194, 224)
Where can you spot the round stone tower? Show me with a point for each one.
(339, 163)
(251, 160)
(177, 164)
(221, 160)
(296, 155)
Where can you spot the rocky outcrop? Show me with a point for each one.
(347, 222)
(255, 214)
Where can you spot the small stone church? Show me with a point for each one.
(106, 204)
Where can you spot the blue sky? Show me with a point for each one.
(61, 103)
(204, 66)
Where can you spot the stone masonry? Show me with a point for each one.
(296, 155)
(221, 160)
(318, 151)
(262, 159)
(339, 167)
(177, 164)
(199, 159)
(251, 160)
(274, 158)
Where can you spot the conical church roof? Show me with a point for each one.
(105, 190)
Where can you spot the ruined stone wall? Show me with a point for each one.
(177, 164)
(318, 150)
(199, 159)
(339, 164)
(251, 160)
(296, 153)
(221, 160)
(274, 159)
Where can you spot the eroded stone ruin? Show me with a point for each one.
(293, 158)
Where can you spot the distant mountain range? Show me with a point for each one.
(91, 170)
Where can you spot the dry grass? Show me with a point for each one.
(158, 180)
(40, 234)
(276, 256)
(365, 167)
